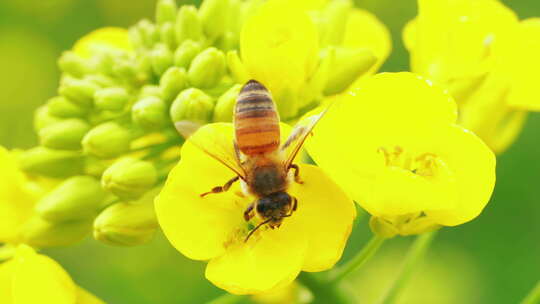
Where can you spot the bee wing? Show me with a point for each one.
(298, 136)
(215, 144)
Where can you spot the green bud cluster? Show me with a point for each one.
(107, 133)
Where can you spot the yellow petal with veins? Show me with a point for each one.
(326, 213)
(473, 165)
(270, 259)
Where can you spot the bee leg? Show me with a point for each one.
(296, 173)
(223, 188)
(248, 214)
(295, 204)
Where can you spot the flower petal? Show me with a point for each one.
(200, 226)
(364, 30)
(519, 51)
(16, 202)
(387, 110)
(43, 277)
(326, 214)
(473, 165)
(85, 297)
(6, 274)
(268, 260)
(450, 36)
(281, 55)
(397, 191)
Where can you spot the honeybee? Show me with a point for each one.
(262, 165)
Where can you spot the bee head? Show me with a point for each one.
(274, 206)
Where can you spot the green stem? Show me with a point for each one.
(534, 295)
(226, 298)
(414, 257)
(324, 291)
(358, 260)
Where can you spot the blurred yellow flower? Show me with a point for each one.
(213, 228)
(485, 57)
(30, 278)
(394, 145)
(364, 30)
(279, 45)
(110, 37)
(17, 198)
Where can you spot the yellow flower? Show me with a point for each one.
(111, 37)
(364, 30)
(17, 198)
(394, 145)
(31, 278)
(487, 59)
(213, 228)
(279, 46)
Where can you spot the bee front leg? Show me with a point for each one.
(296, 173)
(248, 213)
(223, 188)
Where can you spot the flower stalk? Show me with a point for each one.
(415, 256)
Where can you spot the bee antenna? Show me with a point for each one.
(255, 229)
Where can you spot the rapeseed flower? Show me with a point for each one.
(213, 227)
(393, 144)
(30, 277)
(485, 57)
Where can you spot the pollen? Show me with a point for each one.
(423, 164)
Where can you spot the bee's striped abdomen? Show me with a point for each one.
(256, 121)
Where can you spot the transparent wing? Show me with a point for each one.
(298, 136)
(217, 141)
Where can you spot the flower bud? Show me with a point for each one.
(161, 58)
(73, 64)
(173, 81)
(111, 99)
(165, 11)
(51, 163)
(40, 233)
(225, 104)
(335, 17)
(150, 90)
(149, 32)
(64, 135)
(129, 178)
(348, 66)
(167, 34)
(126, 70)
(107, 140)
(207, 68)
(43, 118)
(77, 198)
(80, 92)
(188, 25)
(382, 228)
(149, 113)
(135, 38)
(192, 105)
(102, 81)
(236, 67)
(128, 223)
(61, 107)
(185, 53)
(213, 14)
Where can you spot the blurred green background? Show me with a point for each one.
(494, 259)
